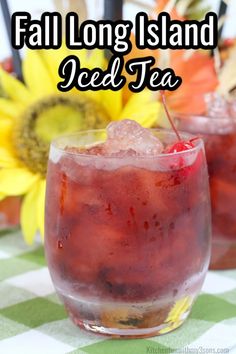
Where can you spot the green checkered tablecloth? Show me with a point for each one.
(33, 321)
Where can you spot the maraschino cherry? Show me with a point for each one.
(180, 145)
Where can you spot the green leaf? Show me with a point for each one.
(192, 9)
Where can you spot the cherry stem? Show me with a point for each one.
(163, 97)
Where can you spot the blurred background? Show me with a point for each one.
(95, 9)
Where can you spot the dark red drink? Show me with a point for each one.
(220, 142)
(127, 236)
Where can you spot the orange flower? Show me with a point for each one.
(199, 77)
(196, 69)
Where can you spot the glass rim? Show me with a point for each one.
(198, 144)
(186, 116)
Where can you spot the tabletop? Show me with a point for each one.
(33, 321)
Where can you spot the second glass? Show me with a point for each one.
(219, 135)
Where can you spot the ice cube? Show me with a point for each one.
(128, 136)
(216, 105)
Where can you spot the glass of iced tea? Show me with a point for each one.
(218, 129)
(127, 227)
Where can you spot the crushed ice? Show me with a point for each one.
(130, 138)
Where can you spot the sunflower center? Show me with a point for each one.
(50, 118)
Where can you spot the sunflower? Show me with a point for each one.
(34, 112)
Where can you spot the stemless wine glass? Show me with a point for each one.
(219, 135)
(127, 237)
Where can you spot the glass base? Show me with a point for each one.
(129, 332)
(223, 255)
(128, 320)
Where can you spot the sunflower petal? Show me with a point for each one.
(82, 54)
(28, 215)
(6, 158)
(6, 126)
(2, 196)
(112, 102)
(96, 59)
(41, 207)
(143, 108)
(52, 59)
(175, 316)
(148, 116)
(36, 74)
(8, 108)
(16, 181)
(14, 88)
(94, 95)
